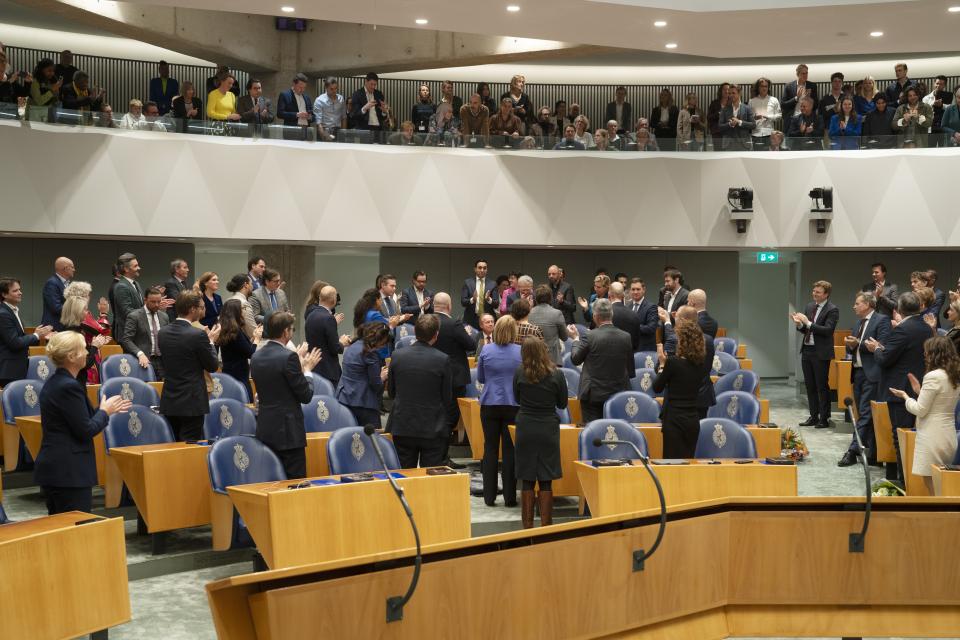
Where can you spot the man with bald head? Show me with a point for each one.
(321, 333)
(698, 300)
(454, 341)
(623, 318)
(564, 299)
(53, 292)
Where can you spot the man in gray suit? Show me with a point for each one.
(885, 292)
(269, 298)
(127, 294)
(141, 329)
(550, 321)
(606, 354)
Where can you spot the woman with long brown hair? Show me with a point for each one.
(540, 389)
(680, 380)
(236, 348)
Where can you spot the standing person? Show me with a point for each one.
(877, 129)
(269, 298)
(177, 284)
(520, 310)
(53, 292)
(370, 111)
(795, 91)
(478, 295)
(320, 331)
(619, 110)
(14, 342)
(550, 321)
(187, 106)
(690, 125)
(674, 294)
(423, 110)
(708, 324)
(255, 268)
(912, 119)
(295, 109)
(713, 113)
(663, 120)
(564, 299)
(679, 379)
(454, 341)
(127, 294)
(623, 317)
(282, 387)
(76, 317)
(934, 407)
(766, 113)
(236, 348)
(606, 354)
(647, 313)
(519, 100)
(254, 108)
(895, 90)
(329, 110)
(416, 298)
(66, 466)
(207, 287)
(222, 101)
(360, 388)
(736, 123)
(241, 287)
(939, 99)
(496, 366)
(163, 88)
(540, 389)
(882, 289)
(421, 386)
(186, 353)
(141, 332)
(601, 287)
(817, 324)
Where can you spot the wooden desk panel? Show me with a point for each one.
(569, 484)
(945, 483)
(11, 446)
(320, 523)
(31, 430)
(908, 442)
(883, 432)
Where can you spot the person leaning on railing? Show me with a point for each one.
(77, 95)
(45, 88)
(913, 119)
(222, 102)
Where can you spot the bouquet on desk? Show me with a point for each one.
(885, 488)
(792, 445)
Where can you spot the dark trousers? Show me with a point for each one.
(453, 417)
(495, 419)
(680, 433)
(815, 375)
(186, 427)
(294, 462)
(416, 452)
(365, 416)
(590, 411)
(63, 499)
(157, 363)
(900, 418)
(863, 392)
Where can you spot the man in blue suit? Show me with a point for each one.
(163, 89)
(295, 108)
(320, 331)
(487, 301)
(370, 110)
(647, 313)
(416, 298)
(53, 292)
(865, 374)
(14, 342)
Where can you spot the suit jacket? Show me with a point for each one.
(282, 389)
(136, 331)
(250, 112)
(161, 97)
(738, 137)
(553, 327)
(939, 302)
(126, 298)
(681, 299)
(706, 395)
(822, 329)
(421, 385)
(887, 302)
(788, 103)
(320, 331)
(626, 320)
(361, 119)
(649, 322)
(606, 354)
(670, 131)
(260, 303)
(287, 108)
(172, 289)
(611, 114)
(52, 302)
(469, 309)
(186, 353)
(707, 324)
(14, 346)
(66, 457)
(902, 354)
(360, 384)
(409, 304)
(457, 344)
(879, 328)
(569, 303)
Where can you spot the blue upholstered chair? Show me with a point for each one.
(133, 389)
(3, 515)
(726, 345)
(956, 457)
(564, 415)
(474, 388)
(740, 380)
(125, 365)
(226, 386)
(644, 382)
(405, 341)
(40, 368)
(582, 329)
(21, 398)
(723, 438)
(723, 363)
(645, 360)
(325, 413)
(956, 416)
(139, 425)
(405, 330)
(568, 362)
(322, 386)
(573, 381)
(349, 450)
(632, 406)
(611, 430)
(229, 417)
(739, 406)
(566, 345)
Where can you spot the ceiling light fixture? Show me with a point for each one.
(422, 21)
(287, 9)
(954, 9)
(876, 34)
(671, 45)
(660, 23)
(513, 8)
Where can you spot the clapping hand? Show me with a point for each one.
(214, 333)
(114, 404)
(872, 345)
(582, 302)
(662, 314)
(899, 393)
(43, 331)
(339, 317)
(931, 320)
(345, 340)
(572, 331)
(308, 359)
(851, 342)
(384, 372)
(914, 383)
(100, 340)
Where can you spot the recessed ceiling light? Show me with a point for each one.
(422, 21)
(671, 45)
(954, 9)
(876, 34)
(513, 8)
(287, 9)
(660, 23)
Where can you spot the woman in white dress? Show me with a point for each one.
(934, 407)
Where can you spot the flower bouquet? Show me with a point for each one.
(885, 488)
(792, 445)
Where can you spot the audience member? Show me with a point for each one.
(313, 299)
(690, 125)
(76, 317)
(65, 69)
(581, 126)
(269, 298)
(663, 120)
(806, 128)
(940, 298)
(53, 292)
(952, 315)
(483, 90)
(241, 288)
(478, 295)
(153, 121)
(845, 126)
(329, 110)
(370, 110)
(863, 100)
(624, 318)
(447, 97)
(141, 331)
(601, 285)
(606, 354)
(407, 135)
(795, 91)
(680, 379)
(444, 127)
(895, 90)
(519, 101)
(877, 129)
(951, 121)
(213, 82)
(222, 101)
(520, 310)
(254, 107)
(830, 103)
(236, 348)
(127, 294)
(207, 287)
(105, 118)
(564, 298)
(543, 127)
(736, 123)
(569, 140)
(320, 331)
(912, 119)
(776, 141)
(485, 334)
(177, 284)
(77, 95)
(559, 117)
(505, 122)
(187, 106)
(521, 289)
(697, 300)
(134, 118)
(601, 141)
(817, 324)
(674, 294)
(45, 88)
(423, 109)
(550, 321)
(255, 268)
(295, 109)
(387, 285)
(620, 110)
(163, 88)
(766, 113)
(938, 100)
(714, 109)
(360, 387)
(646, 313)
(649, 143)
(416, 298)
(475, 121)
(456, 343)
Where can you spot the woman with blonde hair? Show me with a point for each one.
(522, 107)
(863, 101)
(75, 316)
(583, 135)
(690, 125)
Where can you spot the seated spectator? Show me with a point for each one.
(582, 134)
(560, 117)
(766, 113)
(776, 141)
(222, 101)
(543, 127)
(569, 140)
(505, 122)
(691, 131)
(643, 140)
(134, 118)
(913, 118)
(806, 128)
(877, 129)
(77, 96)
(601, 140)
(663, 120)
(614, 139)
(406, 136)
(845, 126)
(213, 82)
(45, 88)
(951, 120)
(154, 121)
(863, 100)
(475, 120)
(254, 107)
(644, 125)
(444, 127)
(163, 88)
(422, 112)
(447, 97)
(329, 110)
(105, 118)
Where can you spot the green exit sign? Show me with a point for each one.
(768, 257)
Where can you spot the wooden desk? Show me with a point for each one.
(169, 483)
(945, 483)
(615, 490)
(470, 414)
(31, 431)
(568, 485)
(908, 442)
(60, 580)
(320, 523)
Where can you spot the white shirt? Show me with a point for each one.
(866, 321)
(130, 121)
(635, 305)
(372, 119)
(808, 340)
(620, 113)
(301, 108)
(419, 294)
(16, 312)
(766, 111)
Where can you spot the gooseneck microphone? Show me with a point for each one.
(395, 603)
(857, 540)
(597, 442)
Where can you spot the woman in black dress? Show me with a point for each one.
(235, 348)
(540, 389)
(680, 380)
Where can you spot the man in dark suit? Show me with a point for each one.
(817, 324)
(127, 294)
(620, 110)
(564, 299)
(142, 330)
(805, 129)
(163, 89)
(321, 333)
(623, 318)
(485, 335)
(369, 111)
(865, 373)
(939, 296)
(674, 295)
(646, 313)
(177, 284)
(255, 268)
(885, 292)
(255, 108)
(282, 387)
(14, 343)
(186, 352)
(53, 292)
(421, 385)
(796, 90)
(736, 123)
(698, 300)
(606, 354)
(899, 356)
(479, 295)
(416, 298)
(454, 341)
(295, 108)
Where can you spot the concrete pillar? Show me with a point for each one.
(297, 267)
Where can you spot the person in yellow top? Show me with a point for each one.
(222, 103)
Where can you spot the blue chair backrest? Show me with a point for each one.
(139, 425)
(632, 406)
(723, 363)
(582, 329)
(349, 450)
(242, 460)
(739, 406)
(322, 386)
(405, 341)
(40, 368)
(474, 388)
(566, 346)
(573, 381)
(564, 415)
(956, 416)
(405, 330)
(644, 382)
(723, 438)
(226, 386)
(3, 515)
(740, 380)
(133, 389)
(229, 417)
(645, 360)
(21, 398)
(956, 457)
(127, 366)
(325, 413)
(568, 362)
(611, 430)
(726, 345)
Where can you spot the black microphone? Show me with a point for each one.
(857, 540)
(597, 442)
(395, 603)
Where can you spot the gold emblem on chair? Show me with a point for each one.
(479, 386)
(719, 436)
(646, 382)
(134, 424)
(732, 407)
(226, 419)
(323, 414)
(43, 370)
(356, 447)
(717, 365)
(738, 383)
(631, 408)
(30, 396)
(125, 367)
(648, 362)
(720, 344)
(240, 458)
(126, 392)
(217, 388)
(611, 434)
(404, 332)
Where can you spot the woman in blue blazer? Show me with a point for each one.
(845, 126)
(66, 468)
(361, 385)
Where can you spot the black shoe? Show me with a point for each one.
(809, 422)
(848, 460)
(823, 425)
(454, 465)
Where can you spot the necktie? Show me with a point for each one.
(273, 300)
(480, 295)
(154, 329)
(136, 287)
(388, 304)
(487, 339)
(636, 307)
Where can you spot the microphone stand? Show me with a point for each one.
(639, 557)
(395, 603)
(857, 539)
